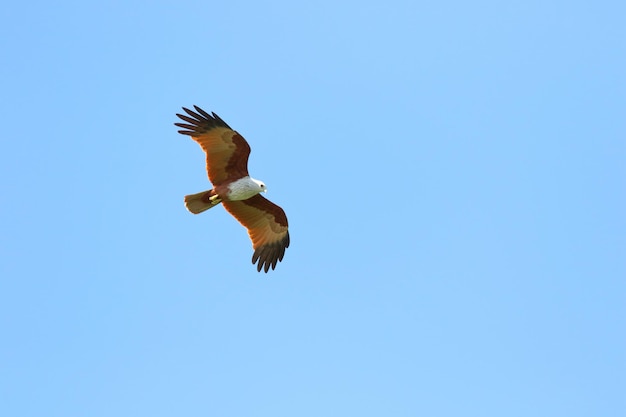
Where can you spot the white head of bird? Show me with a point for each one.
(245, 187)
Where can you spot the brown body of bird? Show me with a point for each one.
(227, 155)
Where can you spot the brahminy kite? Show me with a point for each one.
(227, 166)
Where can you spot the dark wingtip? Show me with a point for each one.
(202, 119)
(269, 255)
(202, 112)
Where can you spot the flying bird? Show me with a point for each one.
(227, 155)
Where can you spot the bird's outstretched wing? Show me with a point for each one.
(226, 150)
(267, 226)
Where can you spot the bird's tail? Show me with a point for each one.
(197, 203)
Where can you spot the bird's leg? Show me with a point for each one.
(215, 199)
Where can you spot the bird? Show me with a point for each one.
(227, 155)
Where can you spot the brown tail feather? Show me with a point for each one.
(197, 203)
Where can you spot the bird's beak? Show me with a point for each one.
(265, 190)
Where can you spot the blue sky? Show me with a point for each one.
(454, 174)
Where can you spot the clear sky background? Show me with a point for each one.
(454, 174)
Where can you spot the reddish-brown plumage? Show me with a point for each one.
(267, 227)
(227, 155)
(226, 150)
